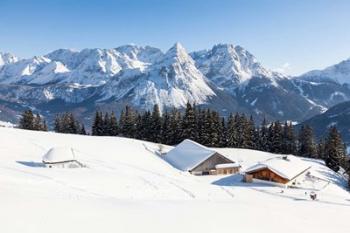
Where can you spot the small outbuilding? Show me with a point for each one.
(197, 159)
(284, 170)
(227, 168)
(61, 157)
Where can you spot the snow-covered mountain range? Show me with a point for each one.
(226, 77)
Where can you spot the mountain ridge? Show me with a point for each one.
(227, 78)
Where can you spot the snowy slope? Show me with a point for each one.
(126, 187)
(7, 58)
(339, 73)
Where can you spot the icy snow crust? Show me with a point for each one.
(128, 188)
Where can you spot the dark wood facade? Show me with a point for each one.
(268, 175)
(207, 165)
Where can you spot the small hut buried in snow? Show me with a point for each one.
(61, 157)
(282, 170)
(199, 160)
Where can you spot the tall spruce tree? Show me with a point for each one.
(289, 140)
(175, 126)
(27, 120)
(232, 131)
(263, 142)
(127, 122)
(307, 145)
(165, 129)
(97, 126)
(189, 129)
(156, 124)
(276, 137)
(113, 128)
(334, 149)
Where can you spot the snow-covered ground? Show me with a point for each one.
(126, 187)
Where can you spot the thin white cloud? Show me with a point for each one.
(284, 69)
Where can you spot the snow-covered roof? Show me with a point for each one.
(227, 165)
(188, 154)
(287, 167)
(59, 154)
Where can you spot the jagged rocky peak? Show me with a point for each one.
(178, 53)
(145, 54)
(228, 66)
(7, 58)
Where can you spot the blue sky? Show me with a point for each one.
(293, 35)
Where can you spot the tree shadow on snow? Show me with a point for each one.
(31, 163)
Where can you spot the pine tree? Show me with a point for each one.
(321, 150)
(200, 117)
(57, 124)
(44, 126)
(263, 143)
(128, 122)
(175, 127)
(165, 130)
(307, 146)
(97, 126)
(222, 133)
(106, 125)
(37, 124)
(72, 124)
(189, 130)
(232, 131)
(214, 133)
(334, 149)
(113, 127)
(82, 130)
(276, 137)
(144, 129)
(289, 141)
(156, 125)
(248, 133)
(27, 120)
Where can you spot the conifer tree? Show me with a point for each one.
(175, 127)
(276, 137)
(307, 146)
(214, 132)
(113, 127)
(289, 141)
(248, 133)
(97, 126)
(232, 131)
(27, 120)
(156, 125)
(222, 133)
(263, 142)
(321, 150)
(165, 129)
(82, 130)
(189, 129)
(334, 149)
(128, 122)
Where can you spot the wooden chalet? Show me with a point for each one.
(199, 160)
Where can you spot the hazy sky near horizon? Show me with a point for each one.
(293, 36)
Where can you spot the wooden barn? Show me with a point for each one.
(284, 170)
(197, 159)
